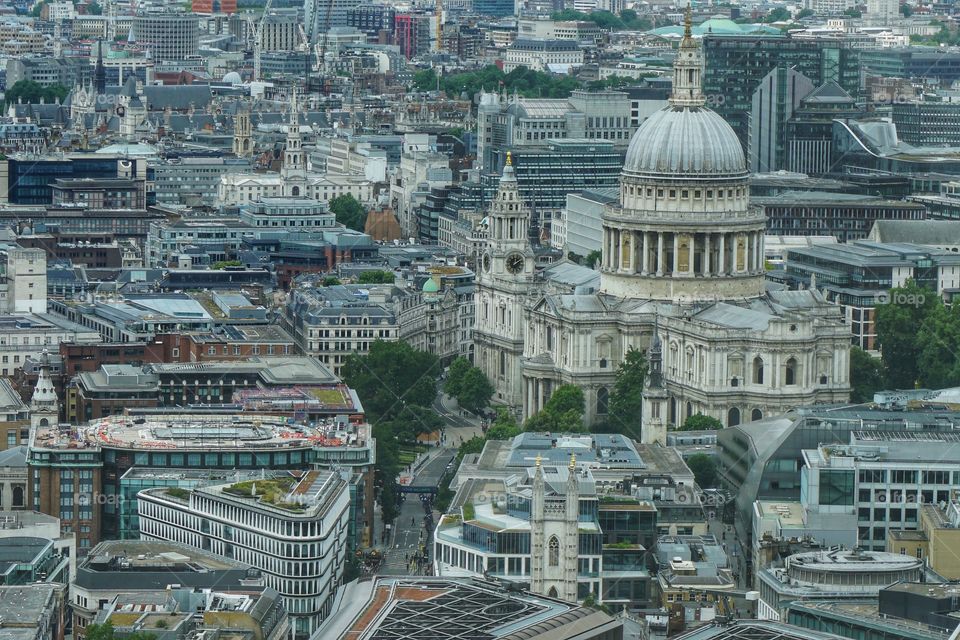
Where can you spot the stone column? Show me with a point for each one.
(760, 257)
(645, 253)
(632, 264)
(721, 263)
(706, 254)
(676, 252)
(660, 253)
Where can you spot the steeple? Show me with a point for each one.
(688, 69)
(99, 73)
(294, 169)
(44, 404)
(655, 360)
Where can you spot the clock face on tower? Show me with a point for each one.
(486, 262)
(515, 262)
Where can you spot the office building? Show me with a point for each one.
(736, 66)
(135, 567)
(248, 521)
(932, 120)
(412, 33)
(34, 611)
(859, 275)
(322, 15)
(847, 216)
(831, 575)
(692, 569)
(170, 37)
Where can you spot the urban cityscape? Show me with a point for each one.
(479, 320)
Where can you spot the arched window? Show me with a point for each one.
(554, 549)
(756, 414)
(44, 422)
(295, 191)
(553, 593)
(758, 370)
(603, 401)
(689, 409)
(790, 376)
(18, 497)
(733, 417)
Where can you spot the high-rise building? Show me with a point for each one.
(737, 65)
(170, 37)
(411, 32)
(882, 13)
(321, 15)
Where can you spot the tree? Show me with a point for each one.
(376, 276)
(906, 10)
(94, 9)
(938, 363)
(505, 427)
(778, 14)
(853, 12)
(473, 445)
(414, 420)
(704, 470)
(626, 403)
(390, 376)
(475, 390)
(349, 212)
(633, 22)
(866, 375)
(700, 422)
(455, 374)
(899, 323)
(331, 281)
(593, 258)
(223, 264)
(30, 92)
(805, 13)
(563, 412)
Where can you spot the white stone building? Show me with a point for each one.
(682, 258)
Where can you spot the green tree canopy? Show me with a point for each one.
(704, 470)
(634, 22)
(376, 276)
(349, 212)
(938, 341)
(390, 376)
(906, 10)
(526, 82)
(700, 422)
(473, 445)
(331, 281)
(778, 14)
(853, 12)
(900, 324)
(626, 402)
(94, 9)
(30, 92)
(805, 13)
(563, 412)
(455, 373)
(593, 258)
(475, 391)
(866, 375)
(505, 427)
(106, 631)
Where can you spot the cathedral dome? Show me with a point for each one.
(685, 140)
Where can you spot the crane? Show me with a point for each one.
(304, 41)
(258, 40)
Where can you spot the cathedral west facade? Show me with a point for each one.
(683, 258)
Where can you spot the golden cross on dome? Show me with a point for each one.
(573, 461)
(509, 159)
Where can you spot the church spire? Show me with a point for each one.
(688, 69)
(99, 73)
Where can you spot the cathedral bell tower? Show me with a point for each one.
(504, 283)
(655, 397)
(508, 242)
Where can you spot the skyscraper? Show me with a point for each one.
(321, 15)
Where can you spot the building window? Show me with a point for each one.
(603, 401)
(790, 377)
(733, 417)
(758, 370)
(554, 551)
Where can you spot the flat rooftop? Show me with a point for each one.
(138, 556)
(454, 609)
(200, 431)
(790, 514)
(23, 606)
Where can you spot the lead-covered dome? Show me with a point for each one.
(685, 140)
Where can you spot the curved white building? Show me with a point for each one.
(294, 529)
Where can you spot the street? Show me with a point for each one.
(409, 530)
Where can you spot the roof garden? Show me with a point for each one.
(275, 492)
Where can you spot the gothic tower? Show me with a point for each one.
(536, 530)
(242, 143)
(571, 533)
(99, 73)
